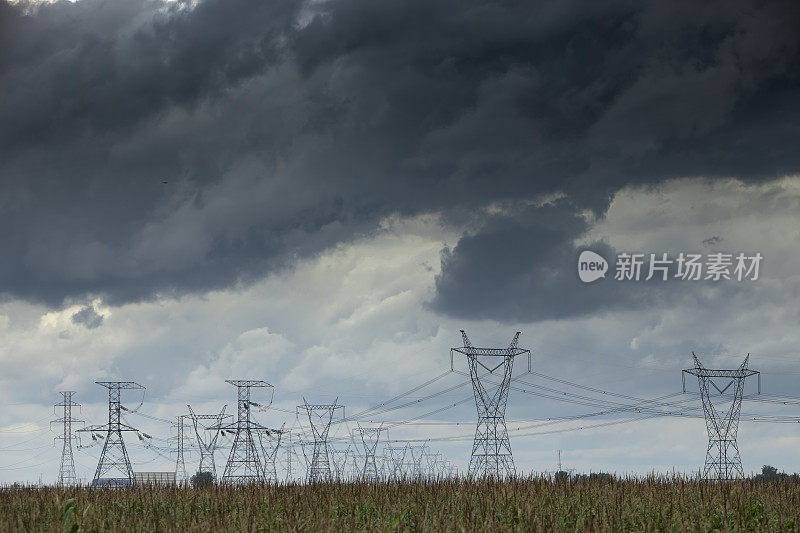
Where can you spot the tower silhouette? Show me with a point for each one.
(66, 472)
(722, 455)
(114, 457)
(491, 449)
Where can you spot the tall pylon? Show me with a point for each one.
(66, 473)
(723, 462)
(417, 453)
(114, 457)
(370, 438)
(339, 458)
(289, 450)
(207, 443)
(491, 449)
(270, 450)
(320, 417)
(397, 462)
(244, 462)
(180, 463)
(433, 464)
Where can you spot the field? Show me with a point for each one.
(536, 504)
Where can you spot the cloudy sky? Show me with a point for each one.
(321, 194)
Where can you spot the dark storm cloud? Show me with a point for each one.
(533, 266)
(529, 256)
(283, 128)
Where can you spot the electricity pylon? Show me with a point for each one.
(244, 462)
(491, 450)
(320, 417)
(722, 456)
(417, 453)
(370, 438)
(270, 452)
(433, 464)
(207, 444)
(339, 459)
(180, 463)
(397, 457)
(114, 457)
(66, 473)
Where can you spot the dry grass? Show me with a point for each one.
(653, 504)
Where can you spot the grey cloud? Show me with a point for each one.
(284, 128)
(524, 268)
(88, 317)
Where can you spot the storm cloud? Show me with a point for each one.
(284, 128)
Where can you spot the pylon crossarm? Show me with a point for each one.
(720, 373)
(490, 352)
(320, 407)
(105, 427)
(120, 385)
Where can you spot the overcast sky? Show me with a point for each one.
(321, 194)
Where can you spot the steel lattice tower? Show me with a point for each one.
(244, 462)
(417, 454)
(271, 453)
(339, 459)
(397, 456)
(66, 473)
(320, 417)
(370, 438)
(722, 456)
(180, 463)
(114, 457)
(207, 444)
(432, 462)
(491, 450)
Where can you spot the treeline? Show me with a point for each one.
(770, 473)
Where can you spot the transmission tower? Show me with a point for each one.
(722, 456)
(244, 462)
(397, 458)
(387, 465)
(114, 457)
(66, 473)
(339, 459)
(180, 463)
(289, 450)
(433, 464)
(270, 451)
(417, 454)
(207, 444)
(370, 438)
(320, 417)
(491, 450)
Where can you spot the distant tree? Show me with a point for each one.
(601, 476)
(594, 476)
(202, 479)
(770, 473)
(562, 475)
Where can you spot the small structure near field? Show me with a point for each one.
(158, 479)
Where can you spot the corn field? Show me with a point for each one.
(534, 504)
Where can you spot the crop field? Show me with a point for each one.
(535, 504)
